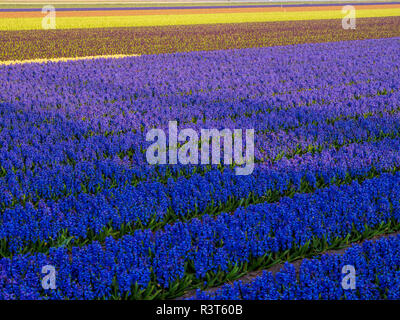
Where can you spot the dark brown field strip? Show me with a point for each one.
(40, 44)
(81, 13)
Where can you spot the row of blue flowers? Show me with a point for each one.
(371, 272)
(202, 249)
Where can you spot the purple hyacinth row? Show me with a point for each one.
(66, 141)
(151, 90)
(98, 121)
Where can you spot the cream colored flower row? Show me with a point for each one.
(115, 56)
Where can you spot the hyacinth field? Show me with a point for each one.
(78, 194)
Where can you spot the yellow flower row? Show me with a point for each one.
(115, 56)
(188, 19)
